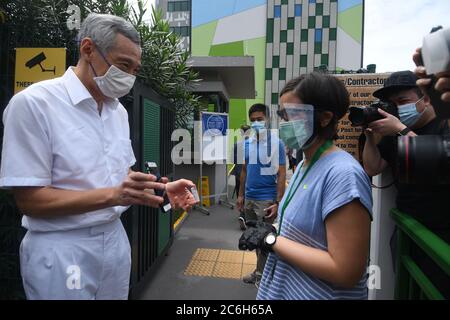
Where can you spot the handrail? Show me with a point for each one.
(430, 243)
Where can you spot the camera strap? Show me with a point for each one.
(324, 147)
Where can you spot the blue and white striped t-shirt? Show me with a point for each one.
(335, 180)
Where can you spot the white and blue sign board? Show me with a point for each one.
(214, 133)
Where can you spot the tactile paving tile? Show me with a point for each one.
(200, 268)
(231, 264)
(231, 256)
(227, 270)
(249, 258)
(206, 254)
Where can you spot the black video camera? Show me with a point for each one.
(362, 116)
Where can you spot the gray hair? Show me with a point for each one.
(103, 29)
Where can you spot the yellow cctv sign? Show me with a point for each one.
(37, 64)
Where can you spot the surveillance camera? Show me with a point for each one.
(36, 60)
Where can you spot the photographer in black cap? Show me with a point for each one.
(427, 203)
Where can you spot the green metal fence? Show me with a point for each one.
(411, 281)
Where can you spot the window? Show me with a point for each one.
(283, 36)
(291, 23)
(275, 61)
(319, 9)
(282, 74)
(298, 10)
(304, 35)
(311, 22)
(174, 6)
(182, 31)
(326, 21)
(318, 47)
(277, 12)
(268, 74)
(333, 34)
(290, 48)
(303, 60)
(312, 1)
(274, 98)
(318, 35)
(269, 32)
(324, 59)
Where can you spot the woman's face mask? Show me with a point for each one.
(298, 125)
(408, 113)
(115, 83)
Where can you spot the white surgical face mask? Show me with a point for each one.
(115, 83)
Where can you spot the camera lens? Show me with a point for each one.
(424, 159)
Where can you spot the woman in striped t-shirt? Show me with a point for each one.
(320, 250)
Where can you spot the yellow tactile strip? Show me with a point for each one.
(218, 263)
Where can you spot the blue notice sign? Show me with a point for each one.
(214, 123)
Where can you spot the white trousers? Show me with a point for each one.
(88, 263)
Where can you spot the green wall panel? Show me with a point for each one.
(202, 38)
(227, 49)
(257, 48)
(351, 22)
(238, 113)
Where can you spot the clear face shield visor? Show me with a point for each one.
(296, 124)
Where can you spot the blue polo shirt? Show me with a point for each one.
(263, 158)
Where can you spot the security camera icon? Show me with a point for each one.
(37, 60)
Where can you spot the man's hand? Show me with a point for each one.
(389, 126)
(138, 188)
(179, 194)
(442, 84)
(240, 203)
(272, 211)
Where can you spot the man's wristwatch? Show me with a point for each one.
(270, 240)
(404, 132)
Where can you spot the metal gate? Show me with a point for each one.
(152, 121)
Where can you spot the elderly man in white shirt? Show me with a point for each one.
(67, 156)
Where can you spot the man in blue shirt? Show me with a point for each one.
(263, 178)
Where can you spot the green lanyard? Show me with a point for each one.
(292, 191)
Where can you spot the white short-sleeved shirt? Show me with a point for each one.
(55, 136)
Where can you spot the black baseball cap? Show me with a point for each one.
(396, 82)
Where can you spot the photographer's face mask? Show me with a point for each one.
(115, 83)
(408, 113)
(297, 125)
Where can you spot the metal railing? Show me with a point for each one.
(411, 283)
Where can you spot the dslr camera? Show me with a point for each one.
(362, 116)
